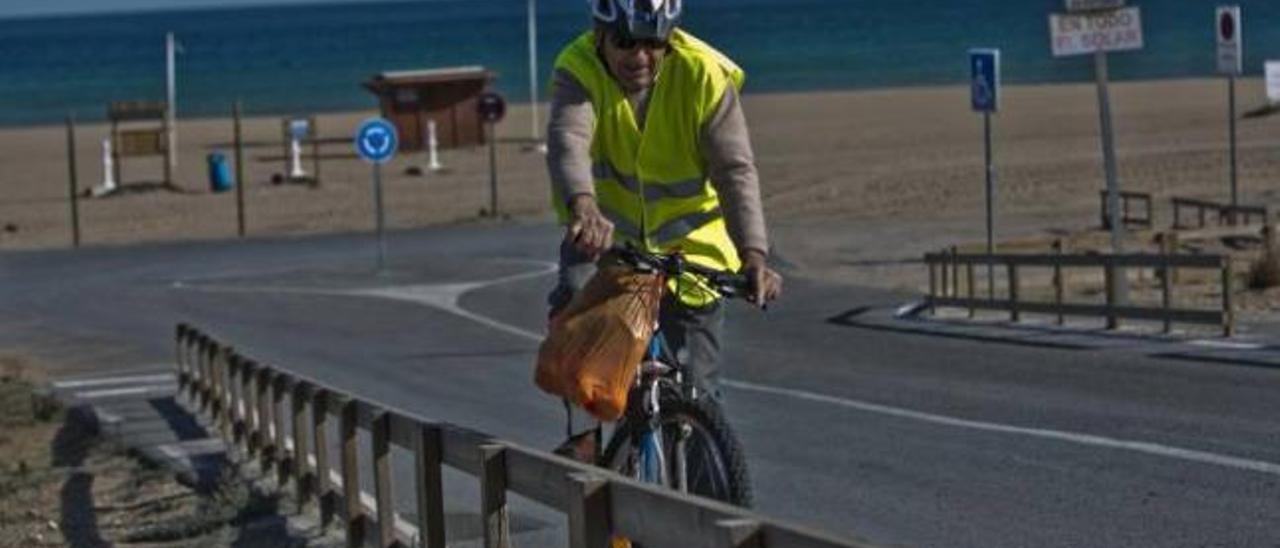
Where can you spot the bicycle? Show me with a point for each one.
(670, 434)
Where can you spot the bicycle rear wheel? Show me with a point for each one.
(715, 466)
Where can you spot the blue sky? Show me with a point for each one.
(11, 8)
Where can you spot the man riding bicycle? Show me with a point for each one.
(648, 146)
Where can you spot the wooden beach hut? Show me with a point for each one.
(409, 99)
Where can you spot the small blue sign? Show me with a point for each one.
(984, 78)
(299, 128)
(377, 141)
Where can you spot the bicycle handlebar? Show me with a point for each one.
(727, 284)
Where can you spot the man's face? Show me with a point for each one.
(633, 63)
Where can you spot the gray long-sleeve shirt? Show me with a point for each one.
(725, 143)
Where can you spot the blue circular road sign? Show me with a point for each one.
(377, 141)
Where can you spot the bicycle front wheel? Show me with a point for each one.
(699, 451)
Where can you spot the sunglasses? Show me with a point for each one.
(628, 44)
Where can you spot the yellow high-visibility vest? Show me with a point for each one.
(652, 182)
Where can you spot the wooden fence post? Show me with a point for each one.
(304, 478)
(320, 433)
(933, 284)
(206, 376)
(226, 402)
(235, 368)
(1166, 279)
(195, 351)
(1014, 315)
(382, 480)
(253, 424)
(354, 511)
(955, 271)
(493, 496)
(284, 464)
(945, 265)
(1058, 281)
(1228, 287)
(269, 437)
(588, 511)
(1109, 272)
(428, 455)
(973, 306)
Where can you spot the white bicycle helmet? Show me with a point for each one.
(639, 19)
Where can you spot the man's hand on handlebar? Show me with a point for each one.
(765, 283)
(589, 231)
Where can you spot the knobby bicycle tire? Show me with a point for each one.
(708, 422)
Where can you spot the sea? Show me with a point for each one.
(313, 58)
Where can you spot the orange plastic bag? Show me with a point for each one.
(595, 345)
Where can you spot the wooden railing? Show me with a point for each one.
(245, 402)
(945, 287)
(1224, 213)
(1128, 216)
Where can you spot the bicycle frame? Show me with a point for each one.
(652, 464)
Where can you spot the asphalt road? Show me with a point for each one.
(896, 437)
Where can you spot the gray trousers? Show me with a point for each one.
(692, 334)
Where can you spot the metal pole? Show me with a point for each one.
(493, 173)
(377, 198)
(536, 133)
(236, 112)
(171, 109)
(315, 151)
(1231, 118)
(991, 181)
(74, 182)
(1109, 166)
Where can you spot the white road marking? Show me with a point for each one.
(439, 296)
(1228, 345)
(166, 378)
(133, 391)
(445, 297)
(1071, 437)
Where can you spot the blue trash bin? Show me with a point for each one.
(219, 173)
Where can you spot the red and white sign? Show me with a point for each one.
(1086, 33)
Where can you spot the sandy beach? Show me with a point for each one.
(854, 181)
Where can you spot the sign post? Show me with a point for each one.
(492, 108)
(984, 71)
(1230, 63)
(171, 113)
(377, 142)
(533, 75)
(1097, 27)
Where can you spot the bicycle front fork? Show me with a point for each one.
(653, 460)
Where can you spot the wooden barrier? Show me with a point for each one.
(1129, 216)
(1111, 265)
(1225, 214)
(598, 503)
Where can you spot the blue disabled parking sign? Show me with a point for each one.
(377, 141)
(984, 78)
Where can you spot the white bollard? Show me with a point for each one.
(433, 146)
(295, 160)
(108, 171)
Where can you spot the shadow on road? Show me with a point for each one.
(70, 448)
